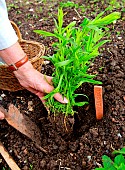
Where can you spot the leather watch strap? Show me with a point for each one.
(15, 66)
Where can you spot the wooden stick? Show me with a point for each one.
(98, 102)
(8, 158)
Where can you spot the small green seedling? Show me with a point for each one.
(69, 4)
(5, 168)
(117, 164)
(31, 167)
(75, 50)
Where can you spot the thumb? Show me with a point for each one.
(1, 116)
(60, 98)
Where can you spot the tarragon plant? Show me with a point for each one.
(76, 48)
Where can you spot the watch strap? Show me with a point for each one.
(15, 66)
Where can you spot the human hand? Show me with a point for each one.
(36, 82)
(1, 116)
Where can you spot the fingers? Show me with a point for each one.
(36, 92)
(41, 95)
(48, 79)
(57, 96)
(60, 98)
(1, 116)
(42, 84)
(49, 88)
(45, 87)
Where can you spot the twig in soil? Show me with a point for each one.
(98, 164)
(77, 13)
(112, 147)
(61, 167)
(40, 148)
(11, 163)
(65, 124)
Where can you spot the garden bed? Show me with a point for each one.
(91, 139)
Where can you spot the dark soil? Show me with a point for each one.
(90, 139)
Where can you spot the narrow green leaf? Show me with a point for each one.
(84, 22)
(60, 19)
(89, 43)
(107, 19)
(56, 24)
(91, 55)
(63, 63)
(75, 95)
(72, 24)
(86, 75)
(99, 15)
(100, 44)
(47, 57)
(85, 80)
(45, 33)
(80, 103)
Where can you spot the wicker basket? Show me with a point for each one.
(34, 51)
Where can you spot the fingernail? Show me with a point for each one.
(65, 100)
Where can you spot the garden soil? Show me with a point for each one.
(82, 149)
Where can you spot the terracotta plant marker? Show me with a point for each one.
(8, 158)
(98, 102)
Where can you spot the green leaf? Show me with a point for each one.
(63, 63)
(47, 57)
(86, 75)
(56, 24)
(75, 95)
(99, 15)
(72, 24)
(107, 19)
(59, 36)
(89, 42)
(84, 22)
(107, 162)
(98, 35)
(100, 44)
(80, 103)
(122, 151)
(91, 55)
(91, 81)
(93, 27)
(121, 167)
(60, 19)
(45, 33)
(119, 159)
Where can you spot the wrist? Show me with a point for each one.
(12, 54)
(24, 68)
(15, 66)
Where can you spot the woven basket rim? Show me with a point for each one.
(42, 48)
(34, 50)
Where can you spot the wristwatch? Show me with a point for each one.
(15, 66)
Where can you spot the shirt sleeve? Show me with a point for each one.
(8, 36)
